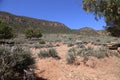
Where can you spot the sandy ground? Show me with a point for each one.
(95, 69)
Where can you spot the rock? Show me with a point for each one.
(118, 49)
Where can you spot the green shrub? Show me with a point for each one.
(13, 63)
(100, 53)
(43, 54)
(48, 53)
(70, 57)
(53, 53)
(6, 32)
(104, 52)
(33, 33)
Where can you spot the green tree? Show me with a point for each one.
(6, 32)
(109, 9)
(33, 33)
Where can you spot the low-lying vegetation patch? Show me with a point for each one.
(87, 52)
(48, 53)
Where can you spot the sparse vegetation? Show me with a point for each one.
(87, 52)
(83, 46)
(48, 53)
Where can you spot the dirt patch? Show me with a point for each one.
(95, 69)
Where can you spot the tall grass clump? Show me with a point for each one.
(70, 57)
(13, 62)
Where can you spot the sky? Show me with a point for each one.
(68, 12)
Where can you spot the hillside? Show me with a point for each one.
(22, 22)
(87, 31)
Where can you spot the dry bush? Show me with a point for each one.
(13, 63)
(48, 53)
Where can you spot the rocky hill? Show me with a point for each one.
(102, 32)
(22, 22)
(87, 31)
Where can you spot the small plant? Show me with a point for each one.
(70, 57)
(41, 42)
(53, 53)
(43, 54)
(48, 53)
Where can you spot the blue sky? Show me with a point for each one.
(68, 12)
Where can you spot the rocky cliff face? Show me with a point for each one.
(22, 22)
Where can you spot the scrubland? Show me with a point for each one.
(61, 57)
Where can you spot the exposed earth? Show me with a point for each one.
(95, 69)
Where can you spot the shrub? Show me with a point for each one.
(13, 63)
(48, 53)
(43, 54)
(41, 42)
(100, 53)
(53, 53)
(33, 33)
(70, 57)
(104, 52)
(6, 32)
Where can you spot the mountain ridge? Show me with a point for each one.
(22, 22)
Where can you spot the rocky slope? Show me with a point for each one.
(22, 22)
